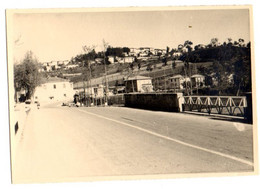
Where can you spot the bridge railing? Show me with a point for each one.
(228, 105)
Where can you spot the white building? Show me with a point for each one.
(135, 50)
(111, 59)
(53, 64)
(152, 50)
(125, 54)
(120, 60)
(65, 62)
(143, 54)
(71, 66)
(129, 59)
(177, 54)
(177, 81)
(198, 80)
(132, 54)
(230, 78)
(99, 60)
(138, 84)
(98, 91)
(146, 50)
(54, 89)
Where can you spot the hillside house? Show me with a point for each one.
(65, 62)
(198, 81)
(132, 54)
(177, 54)
(99, 60)
(177, 81)
(135, 50)
(111, 59)
(129, 59)
(139, 84)
(71, 66)
(54, 89)
(120, 60)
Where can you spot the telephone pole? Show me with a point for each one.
(105, 45)
(88, 50)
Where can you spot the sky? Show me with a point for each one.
(60, 36)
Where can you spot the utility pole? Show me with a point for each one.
(190, 79)
(154, 80)
(164, 79)
(88, 50)
(84, 93)
(84, 85)
(186, 83)
(105, 45)
(90, 77)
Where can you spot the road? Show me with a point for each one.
(66, 143)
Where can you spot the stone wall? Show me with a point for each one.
(155, 101)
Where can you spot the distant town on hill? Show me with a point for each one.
(213, 69)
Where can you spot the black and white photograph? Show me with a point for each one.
(137, 92)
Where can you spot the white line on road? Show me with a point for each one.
(174, 140)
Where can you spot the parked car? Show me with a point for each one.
(70, 104)
(38, 104)
(27, 105)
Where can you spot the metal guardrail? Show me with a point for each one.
(229, 105)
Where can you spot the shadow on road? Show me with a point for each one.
(219, 117)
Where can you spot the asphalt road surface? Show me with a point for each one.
(66, 143)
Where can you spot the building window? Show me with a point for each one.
(54, 86)
(65, 95)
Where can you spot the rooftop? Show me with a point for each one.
(53, 80)
(176, 76)
(138, 77)
(197, 75)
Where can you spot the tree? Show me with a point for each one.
(167, 50)
(221, 75)
(187, 44)
(131, 66)
(53, 68)
(26, 75)
(164, 60)
(173, 64)
(87, 57)
(214, 42)
(173, 51)
(117, 51)
(241, 42)
(186, 59)
(197, 47)
(180, 48)
(229, 41)
(126, 50)
(242, 70)
(139, 65)
(149, 67)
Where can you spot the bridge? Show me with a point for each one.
(226, 105)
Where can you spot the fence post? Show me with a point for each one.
(248, 108)
(180, 101)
